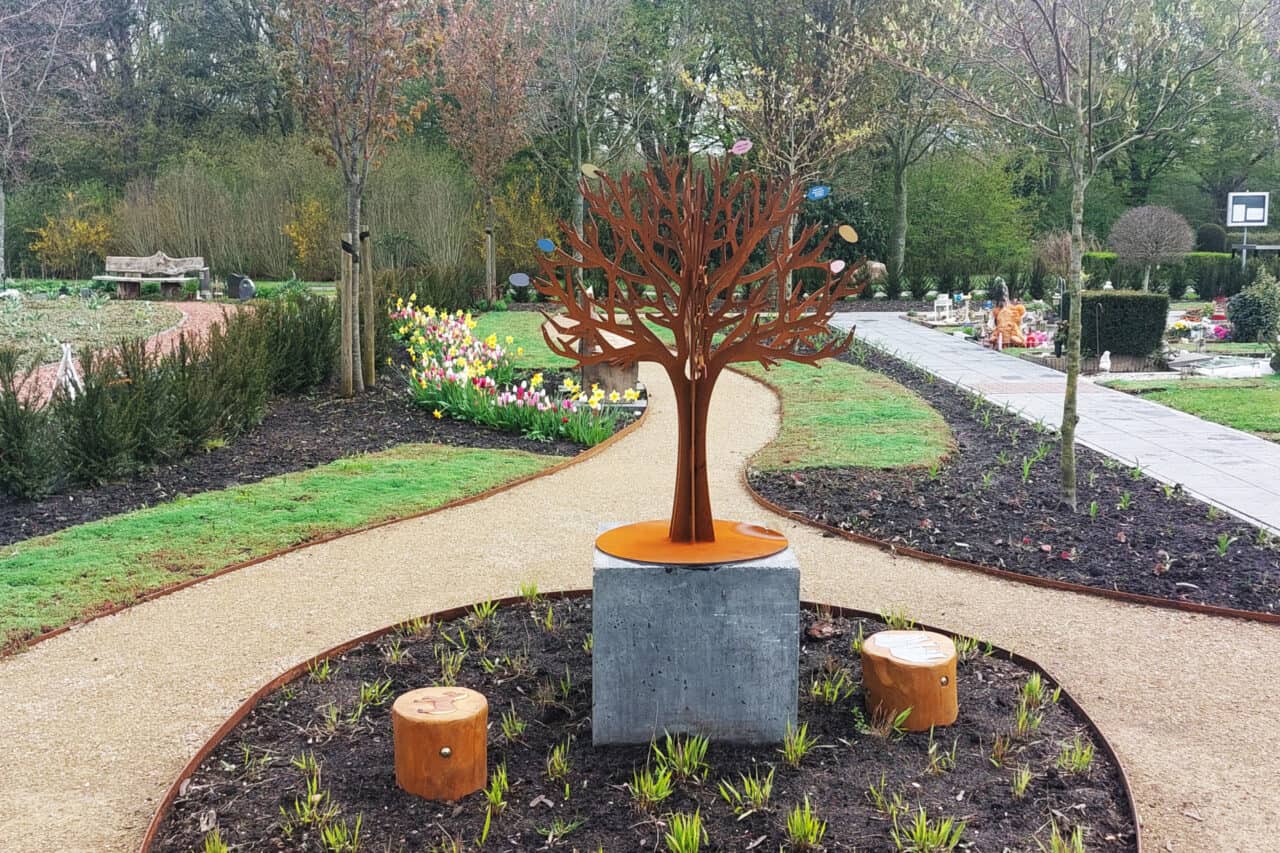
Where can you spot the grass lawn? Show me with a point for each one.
(843, 415)
(52, 580)
(36, 328)
(1252, 405)
(525, 328)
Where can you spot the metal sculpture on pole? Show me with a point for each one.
(684, 261)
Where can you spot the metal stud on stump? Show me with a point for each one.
(911, 669)
(440, 742)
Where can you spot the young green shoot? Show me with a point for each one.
(1021, 781)
(513, 728)
(1076, 756)
(796, 744)
(923, 835)
(338, 837)
(804, 828)
(649, 787)
(750, 795)
(685, 833)
(320, 671)
(558, 763)
(685, 756)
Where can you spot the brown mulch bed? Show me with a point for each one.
(248, 786)
(1131, 533)
(297, 433)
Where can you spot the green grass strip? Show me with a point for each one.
(52, 580)
(1252, 405)
(525, 330)
(845, 416)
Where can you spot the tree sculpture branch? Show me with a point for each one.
(683, 261)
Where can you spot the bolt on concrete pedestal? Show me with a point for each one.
(708, 650)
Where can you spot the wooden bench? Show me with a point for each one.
(129, 274)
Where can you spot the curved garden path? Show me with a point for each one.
(96, 723)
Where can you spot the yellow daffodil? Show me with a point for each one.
(535, 380)
(437, 414)
(568, 383)
(491, 341)
(413, 297)
(614, 396)
(510, 340)
(630, 395)
(519, 350)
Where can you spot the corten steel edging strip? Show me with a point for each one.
(152, 595)
(1003, 574)
(171, 794)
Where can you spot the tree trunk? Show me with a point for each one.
(490, 251)
(691, 519)
(1074, 282)
(1146, 278)
(345, 362)
(898, 240)
(353, 291)
(368, 334)
(3, 269)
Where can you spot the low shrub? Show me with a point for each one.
(452, 373)
(136, 407)
(1211, 237)
(28, 442)
(1122, 322)
(1255, 311)
(302, 339)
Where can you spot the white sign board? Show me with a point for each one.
(1247, 210)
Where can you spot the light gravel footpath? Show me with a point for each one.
(96, 723)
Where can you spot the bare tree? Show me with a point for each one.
(1068, 74)
(1150, 235)
(35, 59)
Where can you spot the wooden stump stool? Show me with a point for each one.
(440, 736)
(911, 669)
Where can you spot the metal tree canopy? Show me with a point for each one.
(698, 256)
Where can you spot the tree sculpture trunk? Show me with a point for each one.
(1074, 280)
(691, 519)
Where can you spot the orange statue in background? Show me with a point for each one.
(674, 245)
(1008, 322)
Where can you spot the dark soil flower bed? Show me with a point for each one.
(248, 787)
(297, 433)
(1131, 533)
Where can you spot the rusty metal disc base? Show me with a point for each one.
(650, 542)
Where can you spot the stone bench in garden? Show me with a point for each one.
(129, 274)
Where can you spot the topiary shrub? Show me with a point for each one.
(1211, 237)
(1122, 322)
(1255, 311)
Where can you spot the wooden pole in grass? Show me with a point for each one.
(345, 293)
(367, 307)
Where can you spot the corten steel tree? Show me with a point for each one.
(688, 254)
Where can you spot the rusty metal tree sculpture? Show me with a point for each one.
(689, 255)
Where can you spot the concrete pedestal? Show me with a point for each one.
(709, 650)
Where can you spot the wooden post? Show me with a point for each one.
(345, 292)
(440, 738)
(911, 669)
(368, 333)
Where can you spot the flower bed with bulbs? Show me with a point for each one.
(452, 373)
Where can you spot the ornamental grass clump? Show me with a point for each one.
(452, 372)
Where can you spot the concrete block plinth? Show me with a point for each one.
(709, 650)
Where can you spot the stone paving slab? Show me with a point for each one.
(1230, 469)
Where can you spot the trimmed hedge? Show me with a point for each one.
(1122, 322)
(1210, 274)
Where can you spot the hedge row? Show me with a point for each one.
(1209, 274)
(1122, 322)
(138, 408)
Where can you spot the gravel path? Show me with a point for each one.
(97, 722)
(197, 317)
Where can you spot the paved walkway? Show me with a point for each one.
(1234, 470)
(96, 723)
